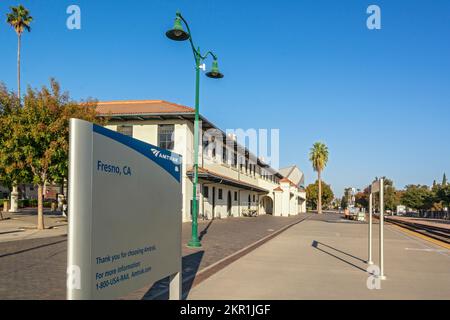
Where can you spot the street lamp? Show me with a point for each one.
(177, 33)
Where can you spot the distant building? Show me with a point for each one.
(294, 174)
(230, 183)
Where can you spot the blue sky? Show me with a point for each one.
(379, 99)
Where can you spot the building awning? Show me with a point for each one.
(208, 175)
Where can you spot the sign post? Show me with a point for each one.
(382, 276)
(377, 187)
(124, 214)
(370, 261)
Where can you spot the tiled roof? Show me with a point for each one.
(140, 107)
(278, 189)
(288, 181)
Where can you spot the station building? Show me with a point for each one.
(232, 181)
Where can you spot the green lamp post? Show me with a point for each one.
(178, 34)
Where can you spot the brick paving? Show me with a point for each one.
(35, 268)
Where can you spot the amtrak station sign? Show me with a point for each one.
(124, 214)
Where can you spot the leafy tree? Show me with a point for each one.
(8, 100)
(443, 195)
(19, 18)
(312, 194)
(13, 168)
(391, 198)
(444, 180)
(43, 129)
(344, 203)
(362, 199)
(417, 197)
(319, 159)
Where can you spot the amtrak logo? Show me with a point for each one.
(158, 154)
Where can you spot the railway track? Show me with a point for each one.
(434, 232)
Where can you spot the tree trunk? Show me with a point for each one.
(18, 67)
(40, 225)
(319, 200)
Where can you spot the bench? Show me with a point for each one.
(249, 213)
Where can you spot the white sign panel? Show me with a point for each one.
(124, 213)
(375, 187)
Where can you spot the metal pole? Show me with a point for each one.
(195, 242)
(175, 287)
(382, 276)
(370, 261)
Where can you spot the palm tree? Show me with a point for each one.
(319, 158)
(19, 18)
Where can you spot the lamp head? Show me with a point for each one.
(214, 73)
(177, 33)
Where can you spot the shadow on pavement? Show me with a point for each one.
(316, 245)
(33, 212)
(205, 231)
(32, 248)
(190, 267)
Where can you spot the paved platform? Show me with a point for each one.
(36, 268)
(22, 226)
(324, 258)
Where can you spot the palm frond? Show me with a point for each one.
(319, 156)
(19, 18)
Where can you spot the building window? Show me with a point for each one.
(235, 159)
(235, 196)
(125, 130)
(224, 154)
(205, 192)
(254, 198)
(220, 194)
(166, 136)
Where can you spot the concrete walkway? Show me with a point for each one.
(22, 226)
(323, 258)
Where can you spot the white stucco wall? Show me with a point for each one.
(283, 205)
